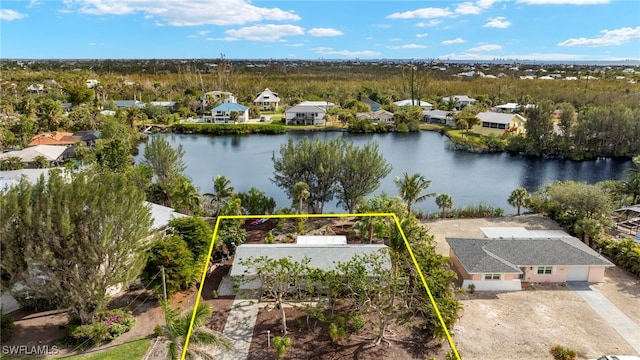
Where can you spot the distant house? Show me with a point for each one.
(267, 100)
(122, 104)
(91, 83)
(499, 123)
(459, 101)
(380, 116)
(88, 136)
(511, 256)
(170, 105)
(321, 256)
(374, 106)
(441, 117)
(54, 138)
(321, 104)
(50, 152)
(408, 102)
(507, 108)
(229, 113)
(214, 98)
(305, 115)
(36, 88)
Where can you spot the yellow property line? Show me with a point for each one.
(297, 216)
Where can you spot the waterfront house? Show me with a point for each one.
(441, 117)
(498, 123)
(302, 114)
(229, 113)
(267, 100)
(383, 116)
(510, 256)
(51, 153)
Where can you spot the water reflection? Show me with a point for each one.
(469, 178)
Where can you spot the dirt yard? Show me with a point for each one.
(524, 325)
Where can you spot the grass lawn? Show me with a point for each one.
(132, 350)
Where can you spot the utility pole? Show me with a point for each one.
(164, 284)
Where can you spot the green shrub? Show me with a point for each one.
(181, 269)
(269, 239)
(280, 346)
(476, 211)
(356, 324)
(157, 331)
(562, 353)
(105, 326)
(625, 253)
(229, 129)
(31, 302)
(6, 328)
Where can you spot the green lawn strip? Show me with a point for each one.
(132, 350)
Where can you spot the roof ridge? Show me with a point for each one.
(502, 260)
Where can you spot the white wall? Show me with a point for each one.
(493, 285)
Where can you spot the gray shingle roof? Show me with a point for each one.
(506, 255)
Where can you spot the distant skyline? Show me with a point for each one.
(542, 30)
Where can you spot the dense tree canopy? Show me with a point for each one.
(84, 235)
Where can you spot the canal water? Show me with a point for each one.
(469, 178)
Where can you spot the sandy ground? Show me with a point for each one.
(526, 324)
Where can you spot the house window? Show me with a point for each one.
(545, 270)
(501, 126)
(492, 276)
(486, 125)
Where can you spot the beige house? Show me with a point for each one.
(499, 123)
(383, 116)
(305, 114)
(503, 262)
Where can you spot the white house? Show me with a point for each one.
(438, 117)
(267, 100)
(408, 102)
(305, 115)
(507, 108)
(217, 97)
(28, 155)
(229, 113)
(321, 104)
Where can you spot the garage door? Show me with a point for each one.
(578, 273)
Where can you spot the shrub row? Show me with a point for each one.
(229, 129)
(625, 253)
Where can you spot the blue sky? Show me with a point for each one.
(567, 30)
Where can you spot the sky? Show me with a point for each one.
(545, 30)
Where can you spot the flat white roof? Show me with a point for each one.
(321, 240)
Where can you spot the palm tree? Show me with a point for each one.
(518, 198)
(177, 329)
(631, 184)
(588, 229)
(222, 190)
(186, 197)
(410, 187)
(444, 202)
(301, 195)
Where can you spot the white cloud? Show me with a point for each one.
(187, 12)
(607, 38)
(422, 35)
(269, 32)
(10, 15)
(485, 4)
(499, 22)
(295, 45)
(425, 13)
(453, 41)
(407, 46)
(468, 8)
(369, 38)
(34, 3)
(345, 53)
(429, 23)
(324, 32)
(203, 32)
(92, 44)
(485, 47)
(563, 2)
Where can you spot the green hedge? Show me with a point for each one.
(625, 253)
(229, 129)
